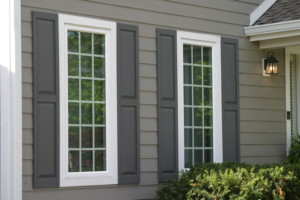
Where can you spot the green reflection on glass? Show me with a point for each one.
(197, 116)
(86, 42)
(73, 137)
(73, 41)
(99, 67)
(197, 96)
(100, 160)
(86, 66)
(99, 44)
(99, 113)
(86, 113)
(73, 89)
(208, 117)
(187, 53)
(86, 90)
(73, 113)
(73, 65)
(198, 75)
(197, 55)
(73, 161)
(86, 161)
(86, 137)
(99, 87)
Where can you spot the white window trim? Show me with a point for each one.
(214, 42)
(110, 176)
(10, 101)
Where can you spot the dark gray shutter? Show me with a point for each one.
(46, 100)
(128, 104)
(230, 99)
(167, 104)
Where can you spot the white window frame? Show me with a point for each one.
(110, 176)
(214, 42)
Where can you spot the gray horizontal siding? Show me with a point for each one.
(260, 97)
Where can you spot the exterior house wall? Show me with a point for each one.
(262, 100)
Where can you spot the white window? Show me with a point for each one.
(88, 104)
(199, 99)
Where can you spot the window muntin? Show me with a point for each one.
(199, 99)
(86, 102)
(198, 130)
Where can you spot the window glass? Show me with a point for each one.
(86, 102)
(198, 105)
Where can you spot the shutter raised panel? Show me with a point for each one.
(167, 104)
(230, 99)
(128, 104)
(46, 100)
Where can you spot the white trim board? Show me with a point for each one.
(260, 10)
(214, 42)
(10, 101)
(110, 176)
(273, 31)
(288, 52)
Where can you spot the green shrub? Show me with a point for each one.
(294, 151)
(234, 181)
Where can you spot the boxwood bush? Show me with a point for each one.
(234, 181)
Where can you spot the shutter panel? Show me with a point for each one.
(167, 104)
(230, 100)
(46, 100)
(128, 104)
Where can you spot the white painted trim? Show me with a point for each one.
(288, 52)
(109, 30)
(10, 101)
(260, 10)
(273, 31)
(214, 42)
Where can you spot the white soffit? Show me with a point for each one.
(273, 31)
(260, 10)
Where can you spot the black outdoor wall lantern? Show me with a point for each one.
(271, 64)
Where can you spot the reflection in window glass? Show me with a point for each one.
(86, 102)
(198, 105)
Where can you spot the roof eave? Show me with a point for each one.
(273, 31)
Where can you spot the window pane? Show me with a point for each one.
(86, 113)
(99, 90)
(198, 139)
(87, 137)
(187, 95)
(197, 75)
(197, 116)
(207, 76)
(99, 113)
(187, 53)
(207, 96)
(73, 113)
(188, 137)
(87, 161)
(73, 89)
(100, 163)
(198, 104)
(207, 56)
(99, 67)
(198, 156)
(208, 138)
(73, 137)
(86, 90)
(208, 155)
(188, 117)
(99, 44)
(187, 74)
(207, 117)
(86, 42)
(99, 137)
(73, 41)
(73, 65)
(188, 158)
(197, 96)
(86, 66)
(197, 55)
(73, 161)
